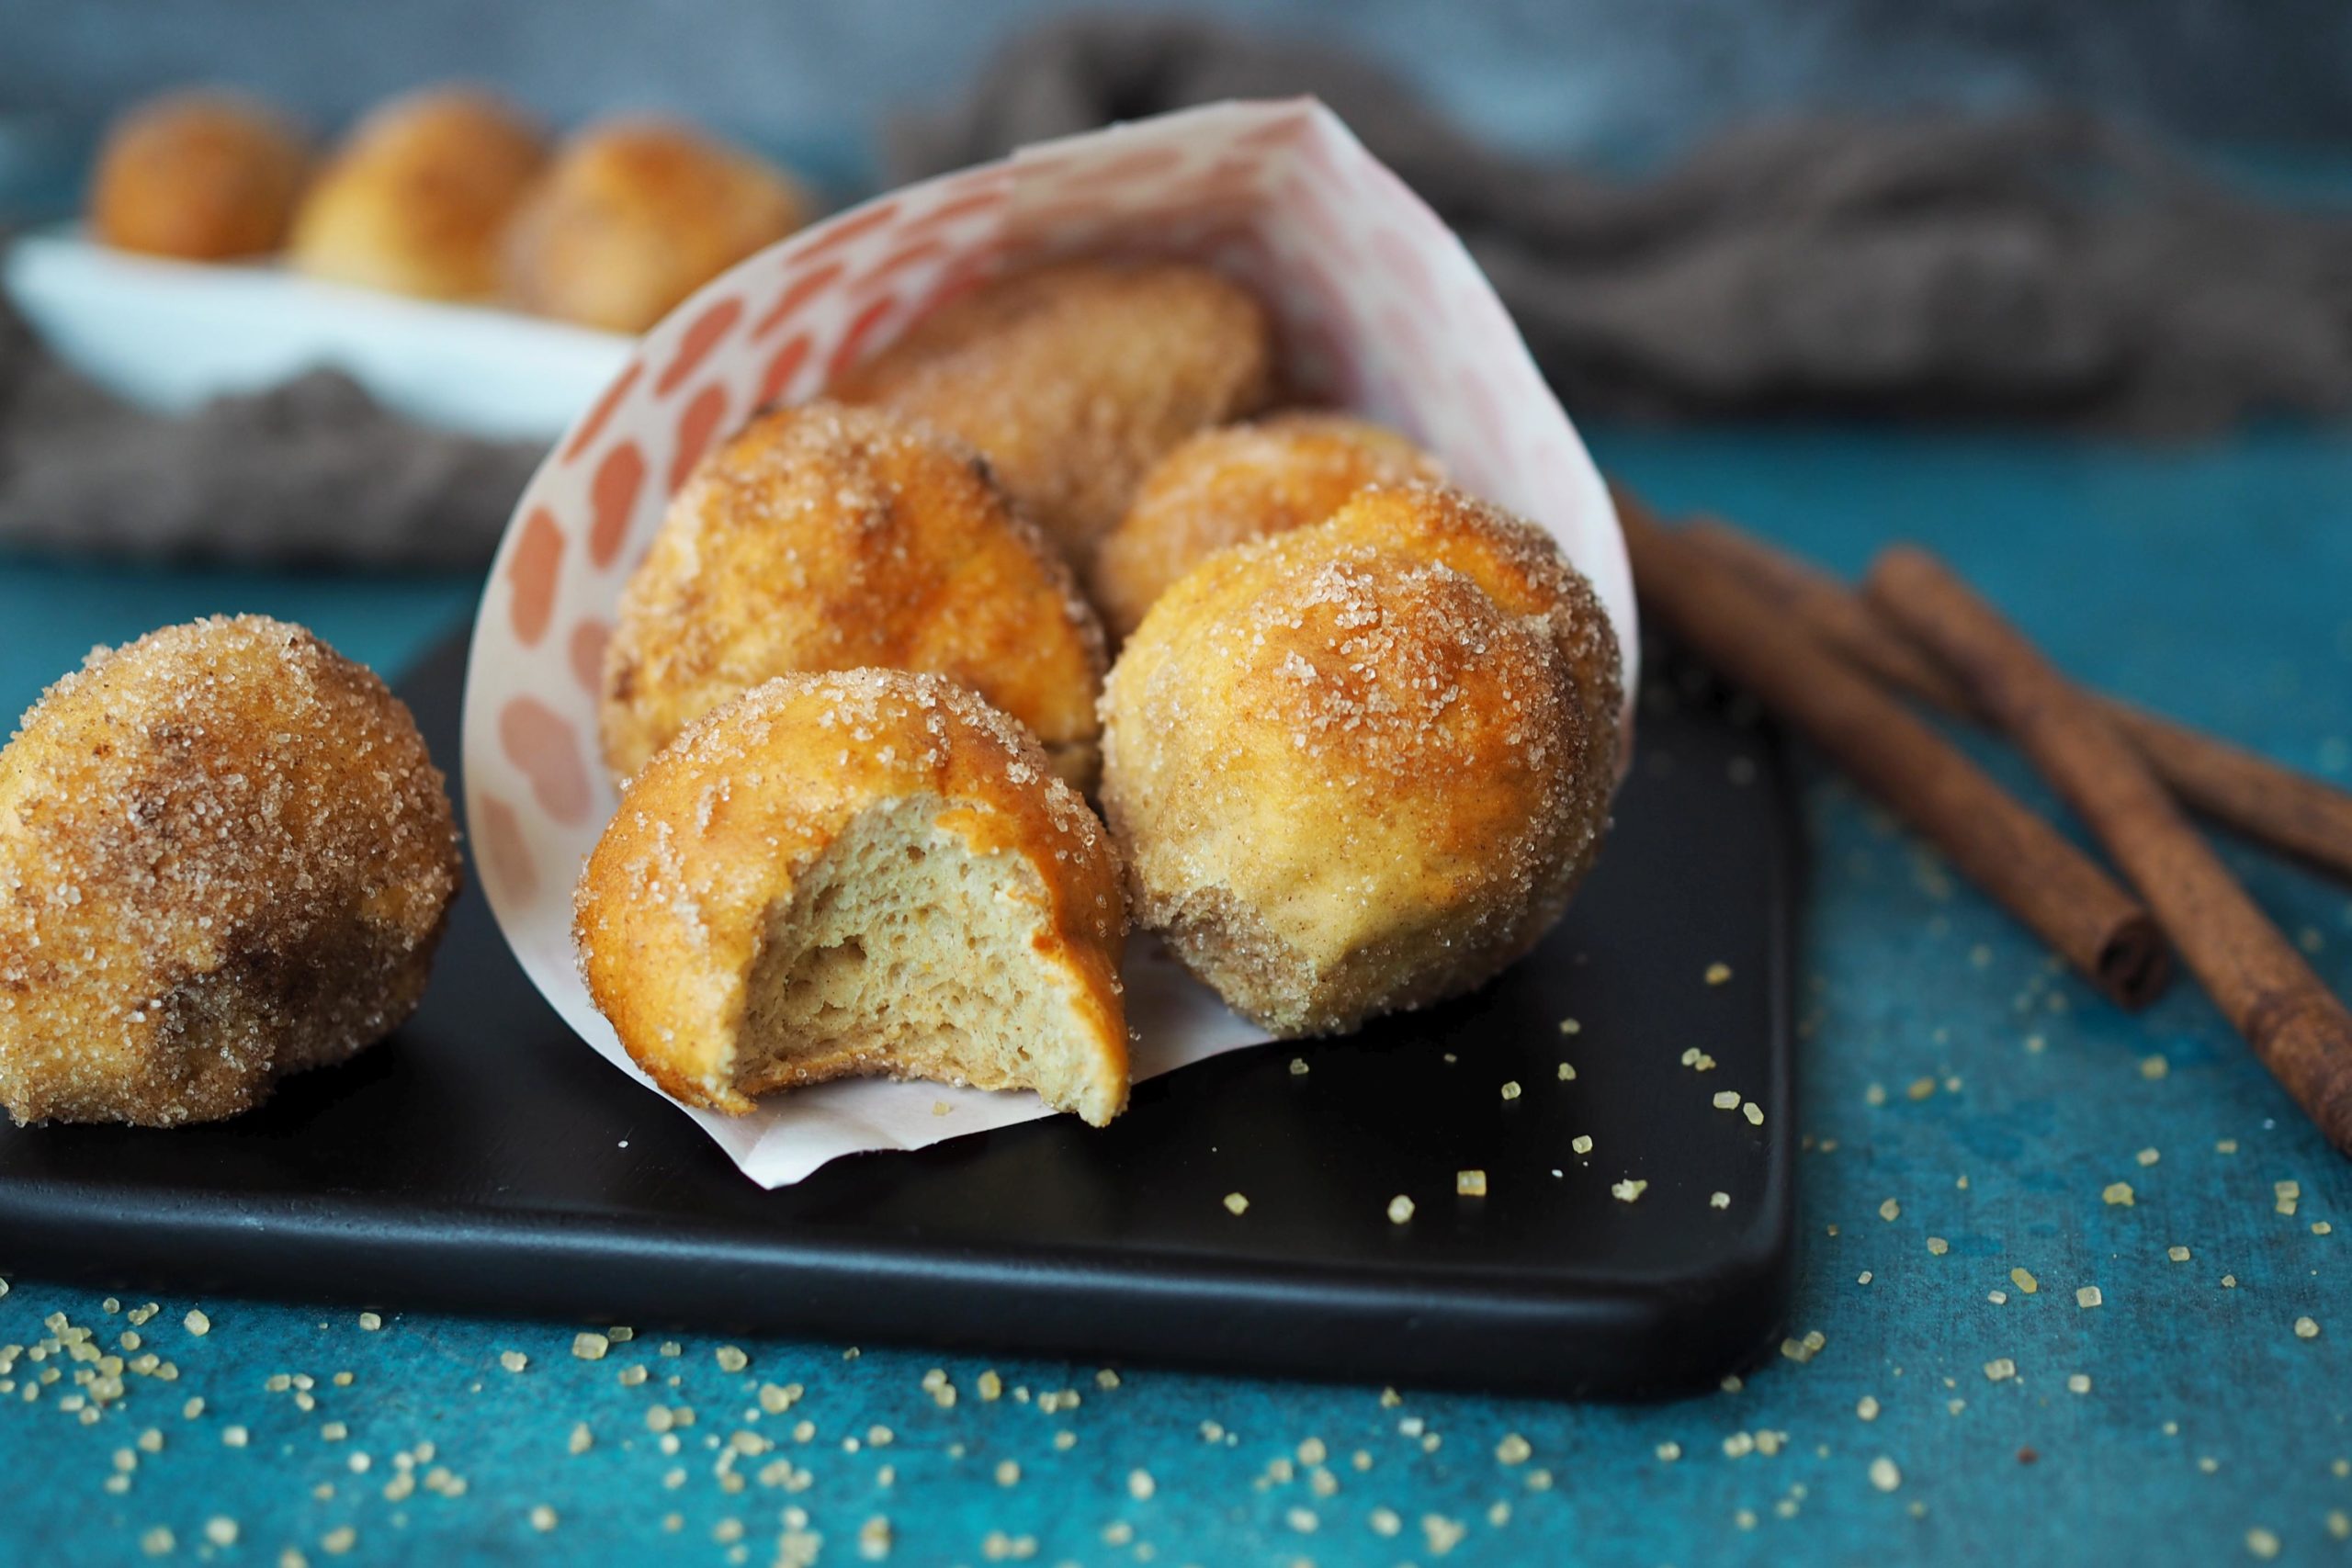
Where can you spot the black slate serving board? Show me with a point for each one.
(484, 1159)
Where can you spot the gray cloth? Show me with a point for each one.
(313, 470)
(2044, 266)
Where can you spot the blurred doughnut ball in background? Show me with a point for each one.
(419, 198)
(201, 175)
(637, 213)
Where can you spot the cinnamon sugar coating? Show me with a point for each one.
(1360, 766)
(1240, 482)
(225, 856)
(1075, 378)
(826, 537)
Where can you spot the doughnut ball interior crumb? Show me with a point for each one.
(858, 874)
(1360, 766)
(1075, 378)
(824, 537)
(419, 198)
(636, 214)
(225, 856)
(203, 176)
(1244, 481)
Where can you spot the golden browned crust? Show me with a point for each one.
(1360, 766)
(225, 856)
(1076, 378)
(419, 198)
(1244, 481)
(714, 832)
(824, 537)
(636, 215)
(201, 176)
(1521, 569)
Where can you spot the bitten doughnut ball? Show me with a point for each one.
(1360, 766)
(636, 214)
(203, 176)
(1075, 378)
(1242, 482)
(824, 537)
(858, 874)
(419, 198)
(225, 856)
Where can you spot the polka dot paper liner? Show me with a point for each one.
(1379, 309)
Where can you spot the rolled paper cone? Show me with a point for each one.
(1996, 842)
(2296, 1025)
(2249, 794)
(1378, 309)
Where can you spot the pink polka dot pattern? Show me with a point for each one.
(548, 749)
(857, 341)
(696, 425)
(620, 478)
(498, 842)
(777, 381)
(706, 334)
(588, 640)
(1376, 305)
(601, 415)
(531, 570)
(804, 288)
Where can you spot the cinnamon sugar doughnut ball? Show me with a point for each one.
(1360, 766)
(419, 198)
(823, 537)
(636, 215)
(1075, 378)
(853, 874)
(225, 856)
(1242, 482)
(204, 176)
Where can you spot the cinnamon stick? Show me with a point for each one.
(2018, 859)
(2240, 789)
(2296, 1025)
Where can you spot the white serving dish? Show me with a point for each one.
(168, 334)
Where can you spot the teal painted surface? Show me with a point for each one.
(2216, 583)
